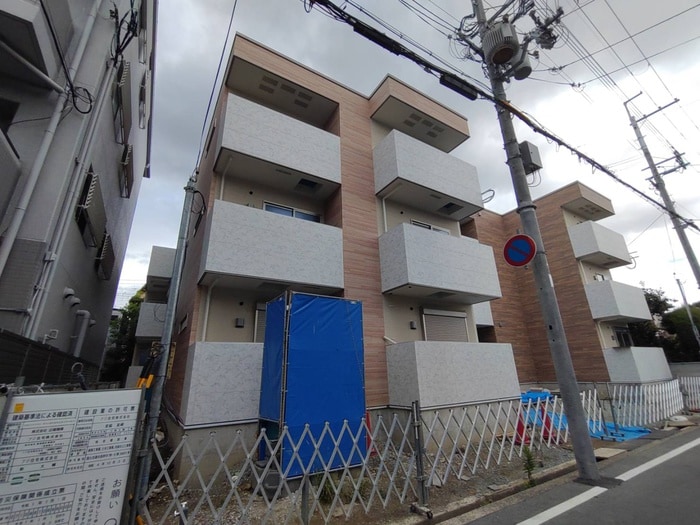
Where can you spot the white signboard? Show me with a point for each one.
(64, 458)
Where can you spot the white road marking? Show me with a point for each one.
(569, 504)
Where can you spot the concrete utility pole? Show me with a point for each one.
(144, 459)
(561, 357)
(658, 182)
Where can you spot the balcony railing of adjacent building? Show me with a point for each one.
(599, 245)
(612, 301)
(417, 262)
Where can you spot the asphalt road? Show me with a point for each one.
(658, 483)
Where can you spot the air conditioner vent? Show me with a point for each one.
(450, 208)
(267, 89)
(304, 96)
(270, 80)
(288, 88)
(307, 186)
(301, 103)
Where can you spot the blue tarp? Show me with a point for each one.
(322, 379)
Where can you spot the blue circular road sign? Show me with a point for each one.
(519, 250)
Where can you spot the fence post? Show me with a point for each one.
(418, 447)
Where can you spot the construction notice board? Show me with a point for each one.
(64, 457)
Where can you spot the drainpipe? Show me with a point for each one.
(40, 159)
(82, 323)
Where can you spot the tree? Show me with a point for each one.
(122, 337)
(685, 347)
(651, 333)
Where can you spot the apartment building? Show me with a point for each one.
(307, 185)
(75, 96)
(595, 309)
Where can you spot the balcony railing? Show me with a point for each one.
(255, 247)
(422, 263)
(612, 301)
(598, 245)
(410, 172)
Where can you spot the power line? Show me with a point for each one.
(472, 91)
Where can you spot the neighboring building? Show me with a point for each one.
(594, 308)
(307, 185)
(71, 161)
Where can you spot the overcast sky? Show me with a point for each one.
(627, 48)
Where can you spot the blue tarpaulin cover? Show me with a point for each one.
(318, 378)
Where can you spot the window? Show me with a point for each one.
(143, 31)
(90, 212)
(443, 325)
(430, 227)
(121, 103)
(622, 336)
(291, 212)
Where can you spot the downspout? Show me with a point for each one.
(82, 323)
(49, 134)
(207, 305)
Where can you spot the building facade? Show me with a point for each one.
(306, 185)
(75, 97)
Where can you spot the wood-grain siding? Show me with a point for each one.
(354, 206)
(517, 315)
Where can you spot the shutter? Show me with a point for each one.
(124, 94)
(260, 320)
(126, 166)
(104, 263)
(445, 326)
(93, 211)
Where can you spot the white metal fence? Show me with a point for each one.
(645, 404)
(690, 387)
(400, 456)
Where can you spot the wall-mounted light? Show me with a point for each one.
(74, 301)
(239, 322)
(412, 325)
(68, 292)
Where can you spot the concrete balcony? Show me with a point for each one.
(25, 29)
(612, 301)
(413, 173)
(256, 249)
(442, 374)
(10, 167)
(598, 245)
(238, 366)
(160, 273)
(637, 364)
(151, 321)
(417, 262)
(265, 146)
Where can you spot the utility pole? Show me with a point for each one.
(689, 313)
(658, 182)
(558, 346)
(153, 411)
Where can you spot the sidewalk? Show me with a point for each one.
(471, 508)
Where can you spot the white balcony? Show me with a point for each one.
(598, 245)
(637, 364)
(268, 147)
(222, 383)
(442, 374)
(612, 301)
(252, 248)
(151, 321)
(413, 173)
(417, 262)
(25, 29)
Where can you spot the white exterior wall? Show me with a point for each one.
(267, 134)
(445, 373)
(222, 383)
(49, 222)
